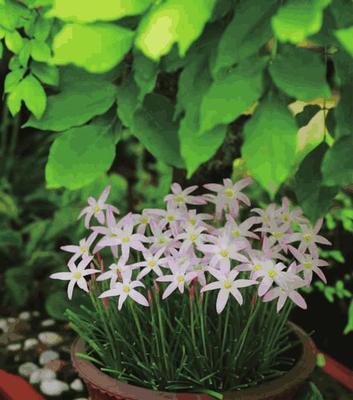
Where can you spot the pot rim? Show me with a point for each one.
(116, 389)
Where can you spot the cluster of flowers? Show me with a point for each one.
(178, 245)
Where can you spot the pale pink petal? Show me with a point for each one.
(138, 297)
(83, 212)
(122, 299)
(212, 286)
(82, 284)
(106, 275)
(63, 276)
(222, 299)
(298, 299)
(111, 292)
(244, 283)
(237, 295)
(318, 225)
(170, 289)
(70, 289)
(103, 197)
(281, 300)
(100, 217)
(271, 294)
(214, 187)
(70, 248)
(265, 286)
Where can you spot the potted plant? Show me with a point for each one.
(193, 305)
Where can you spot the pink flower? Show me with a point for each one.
(228, 196)
(223, 249)
(309, 264)
(83, 249)
(269, 274)
(76, 275)
(287, 216)
(181, 197)
(178, 278)
(151, 263)
(124, 290)
(96, 208)
(265, 217)
(283, 293)
(161, 239)
(308, 238)
(240, 231)
(116, 272)
(192, 236)
(227, 285)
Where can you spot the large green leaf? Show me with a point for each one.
(13, 15)
(76, 105)
(270, 144)
(172, 21)
(103, 10)
(337, 167)
(232, 93)
(344, 111)
(153, 125)
(79, 156)
(194, 82)
(249, 30)
(300, 73)
(345, 37)
(145, 74)
(313, 197)
(96, 47)
(298, 19)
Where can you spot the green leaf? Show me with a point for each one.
(47, 74)
(95, 47)
(13, 15)
(194, 81)
(231, 94)
(76, 105)
(17, 285)
(298, 19)
(57, 302)
(172, 21)
(25, 53)
(345, 37)
(313, 197)
(145, 74)
(12, 79)
(337, 167)
(305, 116)
(127, 95)
(349, 326)
(153, 125)
(14, 41)
(42, 28)
(249, 30)
(32, 93)
(91, 11)
(270, 144)
(300, 73)
(79, 156)
(343, 111)
(40, 51)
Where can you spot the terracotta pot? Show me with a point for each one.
(104, 387)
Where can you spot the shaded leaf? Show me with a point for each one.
(145, 74)
(270, 144)
(300, 73)
(47, 74)
(345, 37)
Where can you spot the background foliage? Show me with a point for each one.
(178, 75)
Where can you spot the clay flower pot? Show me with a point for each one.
(104, 387)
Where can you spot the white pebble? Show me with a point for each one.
(27, 369)
(11, 320)
(81, 398)
(36, 314)
(77, 385)
(53, 387)
(14, 347)
(30, 343)
(41, 375)
(50, 338)
(25, 316)
(4, 326)
(48, 322)
(47, 356)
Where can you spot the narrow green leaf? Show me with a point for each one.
(231, 94)
(95, 47)
(298, 19)
(345, 37)
(79, 156)
(270, 144)
(349, 326)
(300, 73)
(172, 21)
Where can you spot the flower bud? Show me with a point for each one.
(149, 297)
(156, 287)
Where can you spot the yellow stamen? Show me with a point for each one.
(193, 237)
(151, 264)
(236, 233)
(307, 237)
(170, 217)
(143, 220)
(257, 267)
(126, 289)
(179, 198)
(227, 284)
(277, 235)
(83, 249)
(272, 273)
(126, 239)
(77, 275)
(162, 240)
(192, 221)
(308, 265)
(285, 217)
(229, 193)
(180, 278)
(224, 253)
(96, 209)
